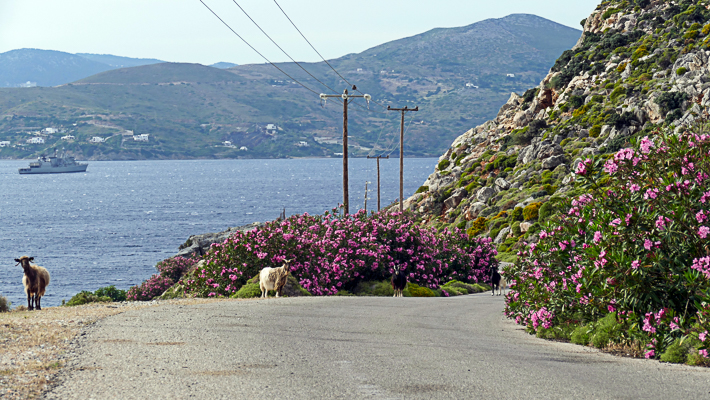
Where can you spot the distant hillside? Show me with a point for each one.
(45, 67)
(458, 77)
(119, 62)
(223, 65)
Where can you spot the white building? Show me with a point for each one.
(68, 137)
(143, 137)
(97, 139)
(243, 148)
(271, 127)
(50, 131)
(302, 144)
(127, 133)
(511, 75)
(227, 143)
(36, 140)
(4, 143)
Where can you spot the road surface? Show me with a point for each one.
(351, 348)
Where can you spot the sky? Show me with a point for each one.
(186, 31)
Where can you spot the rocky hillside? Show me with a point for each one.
(640, 65)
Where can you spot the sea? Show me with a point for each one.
(113, 223)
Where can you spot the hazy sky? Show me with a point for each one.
(186, 31)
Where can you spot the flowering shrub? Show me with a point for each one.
(153, 287)
(332, 252)
(174, 268)
(635, 244)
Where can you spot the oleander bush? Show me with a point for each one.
(153, 287)
(333, 252)
(170, 271)
(630, 256)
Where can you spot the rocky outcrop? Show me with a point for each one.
(199, 244)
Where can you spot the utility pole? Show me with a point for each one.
(366, 183)
(401, 151)
(346, 99)
(378, 178)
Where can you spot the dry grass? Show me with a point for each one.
(31, 342)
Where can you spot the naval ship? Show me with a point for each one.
(54, 165)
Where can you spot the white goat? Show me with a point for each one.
(273, 279)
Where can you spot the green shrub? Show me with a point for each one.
(85, 297)
(423, 189)
(681, 71)
(515, 228)
(478, 225)
(581, 335)
(516, 214)
(111, 292)
(675, 353)
(618, 92)
(621, 67)
(4, 304)
(419, 291)
(443, 164)
(576, 101)
(531, 212)
(595, 131)
(545, 211)
(247, 291)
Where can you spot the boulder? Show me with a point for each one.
(199, 244)
(525, 226)
(553, 162)
(502, 235)
(485, 194)
(455, 199)
(502, 184)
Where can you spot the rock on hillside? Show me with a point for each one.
(640, 65)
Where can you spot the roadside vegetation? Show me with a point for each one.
(627, 264)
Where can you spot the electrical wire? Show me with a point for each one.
(255, 50)
(280, 48)
(319, 54)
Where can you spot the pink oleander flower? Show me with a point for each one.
(635, 264)
(647, 244)
(703, 232)
(646, 145)
(597, 237)
(650, 354)
(703, 336)
(703, 353)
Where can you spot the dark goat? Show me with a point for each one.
(497, 282)
(35, 281)
(399, 281)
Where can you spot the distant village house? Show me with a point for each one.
(50, 131)
(97, 139)
(68, 137)
(143, 137)
(36, 140)
(4, 143)
(243, 148)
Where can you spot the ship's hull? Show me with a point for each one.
(54, 170)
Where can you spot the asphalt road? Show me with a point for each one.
(348, 347)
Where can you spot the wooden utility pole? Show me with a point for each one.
(401, 151)
(366, 183)
(346, 99)
(378, 179)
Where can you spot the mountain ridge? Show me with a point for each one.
(443, 72)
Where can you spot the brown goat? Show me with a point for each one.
(35, 281)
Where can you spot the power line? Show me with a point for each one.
(255, 50)
(321, 56)
(282, 50)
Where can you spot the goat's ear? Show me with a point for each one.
(32, 258)
(17, 260)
